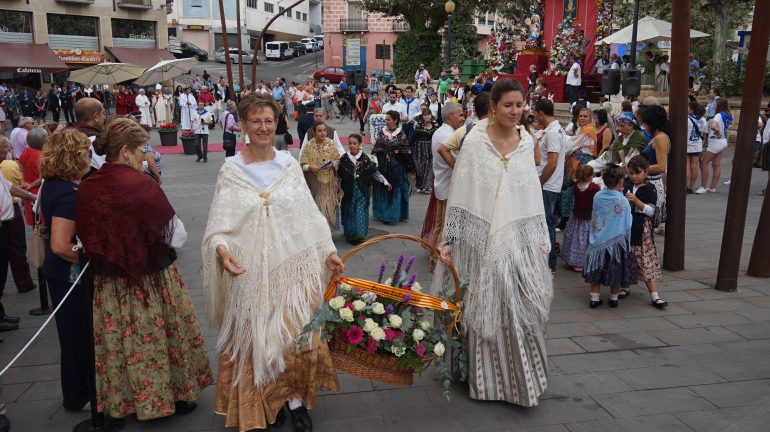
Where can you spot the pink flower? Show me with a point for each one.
(371, 345)
(355, 335)
(420, 350)
(391, 334)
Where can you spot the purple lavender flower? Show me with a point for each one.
(407, 299)
(382, 271)
(397, 274)
(389, 310)
(409, 264)
(411, 281)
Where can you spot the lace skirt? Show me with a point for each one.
(423, 159)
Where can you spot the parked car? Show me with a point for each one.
(311, 45)
(189, 50)
(386, 76)
(320, 40)
(278, 50)
(298, 47)
(330, 73)
(220, 56)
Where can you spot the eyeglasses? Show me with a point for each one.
(266, 123)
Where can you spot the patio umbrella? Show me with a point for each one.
(106, 73)
(649, 30)
(166, 70)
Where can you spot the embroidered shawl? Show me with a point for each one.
(317, 154)
(610, 229)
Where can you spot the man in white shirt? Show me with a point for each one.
(452, 116)
(574, 80)
(393, 104)
(551, 168)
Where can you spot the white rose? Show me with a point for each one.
(425, 325)
(337, 302)
(398, 351)
(378, 334)
(344, 287)
(346, 314)
(370, 325)
(418, 335)
(369, 297)
(378, 308)
(417, 287)
(395, 321)
(359, 305)
(439, 349)
(388, 281)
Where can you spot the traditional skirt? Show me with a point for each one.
(646, 255)
(328, 197)
(660, 204)
(573, 251)
(391, 206)
(149, 350)
(614, 273)
(254, 407)
(423, 159)
(355, 215)
(511, 368)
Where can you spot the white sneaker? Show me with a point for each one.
(701, 190)
(728, 182)
(712, 190)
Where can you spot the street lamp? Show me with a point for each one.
(449, 7)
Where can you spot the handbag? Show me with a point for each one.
(40, 238)
(287, 138)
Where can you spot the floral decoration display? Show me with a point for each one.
(168, 127)
(502, 48)
(603, 25)
(569, 40)
(379, 325)
(533, 34)
(187, 134)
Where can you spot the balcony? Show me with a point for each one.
(135, 4)
(82, 2)
(354, 25)
(400, 27)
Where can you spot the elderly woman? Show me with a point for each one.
(500, 244)
(396, 164)
(229, 125)
(150, 355)
(265, 250)
(64, 161)
(320, 160)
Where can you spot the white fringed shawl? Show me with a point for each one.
(496, 225)
(282, 241)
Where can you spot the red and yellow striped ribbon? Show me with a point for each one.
(393, 293)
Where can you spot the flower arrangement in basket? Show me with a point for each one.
(382, 330)
(168, 127)
(187, 134)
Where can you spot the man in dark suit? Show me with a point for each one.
(66, 103)
(54, 103)
(25, 102)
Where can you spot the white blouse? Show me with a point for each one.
(262, 174)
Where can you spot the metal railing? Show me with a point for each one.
(354, 25)
(144, 4)
(76, 1)
(400, 26)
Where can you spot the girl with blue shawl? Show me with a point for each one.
(608, 259)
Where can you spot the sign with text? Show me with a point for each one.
(80, 56)
(353, 52)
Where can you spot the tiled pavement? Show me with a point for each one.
(701, 365)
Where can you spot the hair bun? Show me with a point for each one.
(100, 144)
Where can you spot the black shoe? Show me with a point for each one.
(280, 419)
(689, 191)
(198, 160)
(205, 160)
(660, 303)
(595, 304)
(6, 326)
(301, 420)
(184, 407)
(623, 293)
(613, 303)
(10, 319)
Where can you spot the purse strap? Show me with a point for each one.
(36, 210)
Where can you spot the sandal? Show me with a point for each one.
(660, 303)
(762, 193)
(623, 293)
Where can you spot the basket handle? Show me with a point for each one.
(374, 240)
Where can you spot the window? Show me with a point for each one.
(133, 29)
(18, 22)
(382, 52)
(72, 25)
(281, 9)
(269, 7)
(196, 3)
(355, 10)
(288, 13)
(251, 4)
(304, 17)
(298, 15)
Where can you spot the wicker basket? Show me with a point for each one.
(378, 367)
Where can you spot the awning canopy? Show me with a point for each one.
(29, 58)
(144, 57)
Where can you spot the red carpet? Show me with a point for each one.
(217, 147)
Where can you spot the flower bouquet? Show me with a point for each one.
(187, 134)
(381, 330)
(168, 127)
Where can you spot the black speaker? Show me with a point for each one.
(632, 83)
(611, 81)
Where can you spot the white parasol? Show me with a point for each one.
(106, 73)
(166, 70)
(649, 29)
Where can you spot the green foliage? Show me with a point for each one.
(465, 41)
(726, 78)
(411, 49)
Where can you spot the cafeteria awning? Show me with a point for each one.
(144, 57)
(29, 58)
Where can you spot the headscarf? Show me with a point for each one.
(629, 118)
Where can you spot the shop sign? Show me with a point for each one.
(28, 70)
(195, 27)
(78, 55)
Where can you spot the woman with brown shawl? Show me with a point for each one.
(320, 160)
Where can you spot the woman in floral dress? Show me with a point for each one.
(150, 355)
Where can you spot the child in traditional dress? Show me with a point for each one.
(579, 225)
(642, 196)
(356, 172)
(320, 160)
(608, 259)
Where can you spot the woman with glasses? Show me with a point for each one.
(265, 253)
(150, 355)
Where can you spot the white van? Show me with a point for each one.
(311, 45)
(274, 49)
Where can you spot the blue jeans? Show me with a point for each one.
(549, 202)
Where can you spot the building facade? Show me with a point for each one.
(79, 33)
(198, 22)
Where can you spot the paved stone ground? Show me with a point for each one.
(701, 365)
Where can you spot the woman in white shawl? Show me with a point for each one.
(265, 251)
(495, 233)
(144, 107)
